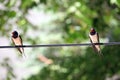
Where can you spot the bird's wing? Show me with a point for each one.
(22, 49)
(92, 43)
(18, 41)
(98, 38)
(94, 46)
(100, 53)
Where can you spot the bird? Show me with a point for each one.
(17, 40)
(94, 38)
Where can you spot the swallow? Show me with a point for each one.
(17, 40)
(94, 38)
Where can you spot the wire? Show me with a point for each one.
(61, 45)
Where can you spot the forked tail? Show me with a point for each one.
(23, 55)
(100, 54)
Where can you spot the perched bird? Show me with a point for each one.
(94, 38)
(17, 40)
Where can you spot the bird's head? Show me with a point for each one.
(14, 34)
(92, 31)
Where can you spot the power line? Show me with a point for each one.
(61, 45)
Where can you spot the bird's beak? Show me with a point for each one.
(12, 34)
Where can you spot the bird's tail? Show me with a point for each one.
(23, 55)
(100, 54)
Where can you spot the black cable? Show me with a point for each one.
(60, 45)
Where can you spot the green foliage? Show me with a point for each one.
(75, 21)
(26, 4)
(79, 17)
(89, 66)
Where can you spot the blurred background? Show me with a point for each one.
(59, 21)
